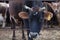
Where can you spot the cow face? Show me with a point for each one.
(55, 7)
(36, 22)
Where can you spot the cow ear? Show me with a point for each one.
(23, 15)
(48, 15)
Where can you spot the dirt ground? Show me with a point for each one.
(6, 34)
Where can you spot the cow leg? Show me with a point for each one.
(23, 25)
(8, 18)
(4, 16)
(13, 28)
(4, 19)
(3, 25)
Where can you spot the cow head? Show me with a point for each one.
(55, 6)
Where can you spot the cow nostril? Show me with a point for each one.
(34, 36)
(56, 11)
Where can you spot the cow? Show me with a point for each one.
(53, 10)
(58, 11)
(3, 11)
(35, 21)
(36, 17)
(14, 8)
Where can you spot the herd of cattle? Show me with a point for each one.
(55, 20)
(12, 13)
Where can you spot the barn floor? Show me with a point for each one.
(47, 34)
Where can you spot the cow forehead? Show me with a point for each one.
(56, 4)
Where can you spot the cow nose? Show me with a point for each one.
(33, 34)
(56, 11)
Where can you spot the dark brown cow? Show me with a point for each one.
(15, 7)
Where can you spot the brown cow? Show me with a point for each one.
(15, 7)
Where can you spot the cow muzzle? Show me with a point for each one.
(33, 34)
